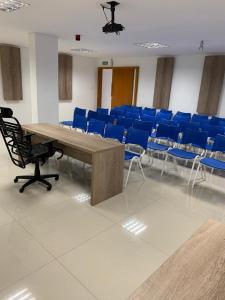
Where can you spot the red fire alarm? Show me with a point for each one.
(77, 37)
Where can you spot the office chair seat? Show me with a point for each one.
(129, 155)
(182, 153)
(213, 163)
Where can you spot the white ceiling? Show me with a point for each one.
(181, 24)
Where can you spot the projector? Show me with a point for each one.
(113, 28)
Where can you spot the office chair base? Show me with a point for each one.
(37, 177)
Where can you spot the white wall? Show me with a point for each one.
(84, 87)
(186, 83)
(21, 109)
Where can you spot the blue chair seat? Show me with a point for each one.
(129, 155)
(157, 147)
(67, 123)
(213, 163)
(182, 153)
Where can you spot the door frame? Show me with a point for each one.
(99, 83)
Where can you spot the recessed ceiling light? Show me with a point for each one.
(82, 50)
(151, 45)
(11, 5)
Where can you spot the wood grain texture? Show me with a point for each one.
(106, 157)
(99, 88)
(211, 85)
(11, 72)
(65, 76)
(163, 82)
(195, 272)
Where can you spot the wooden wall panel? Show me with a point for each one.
(11, 72)
(65, 76)
(211, 85)
(163, 81)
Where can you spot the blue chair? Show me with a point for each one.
(96, 127)
(105, 118)
(193, 126)
(80, 112)
(114, 132)
(125, 122)
(80, 122)
(165, 111)
(77, 111)
(138, 139)
(116, 113)
(180, 116)
(167, 122)
(217, 121)
(169, 134)
(143, 125)
(213, 131)
(163, 115)
(92, 115)
(149, 118)
(102, 111)
(195, 139)
(212, 162)
(199, 118)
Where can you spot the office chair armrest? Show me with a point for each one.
(53, 149)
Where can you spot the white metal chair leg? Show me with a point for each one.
(164, 164)
(128, 174)
(140, 165)
(192, 170)
(196, 174)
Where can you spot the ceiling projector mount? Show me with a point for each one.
(111, 26)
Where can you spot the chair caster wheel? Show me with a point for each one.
(57, 178)
(15, 180)
(49, 188)
(21, 190)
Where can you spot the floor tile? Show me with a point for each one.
(113, 264)
(59, 228)
(20, 254)
(51, 282)
(4, 217)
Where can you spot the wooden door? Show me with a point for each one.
(123, 86)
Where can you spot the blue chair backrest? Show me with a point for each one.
(198, 118)
(96, 127)
(115, 132)
(182, 117)
(219, 144)
(193, 126)
(217, 121)
(79, 111)
(126, 122)
(80, 122)
(137, 137)
(162, 115)
(165, 111)
(103, 111)
(149, 119)
(149, 111)
(92, 115)
(117, 112)
(195, 138)
(168, 132)
(105, 118)
(167, 122)
(213, 130)
(132, 114)
(143, 125)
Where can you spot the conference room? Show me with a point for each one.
(112, 120)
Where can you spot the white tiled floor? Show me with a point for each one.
(54, 246)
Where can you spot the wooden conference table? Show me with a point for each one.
(106, 157)
(195, 272)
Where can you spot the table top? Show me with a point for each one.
(84, 142)
(195, 272)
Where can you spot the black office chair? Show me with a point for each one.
(22, 152)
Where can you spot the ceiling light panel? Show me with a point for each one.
(11, 5)
(151, 45)
(82, 50)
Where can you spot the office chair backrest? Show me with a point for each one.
(213, 130)
(126, 122)
(137, 137)
(198, 118)
(168, 132)
(149, 111)
(115, 132)
(92, 115)
(17, 145)
(219, 144)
